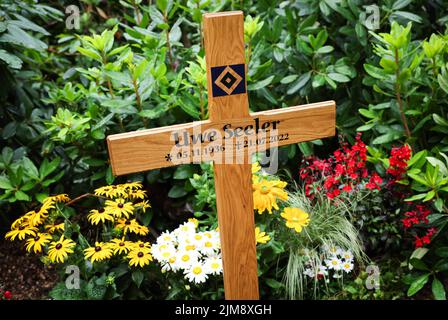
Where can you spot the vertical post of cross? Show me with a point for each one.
(227, 100)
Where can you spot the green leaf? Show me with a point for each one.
(261, 84)
(274, 283)
(438, 290)
(90, 53)
(46, 168)
(300, 83)
(400, 4)
(375, 71)
(289, 79)
(418, 284)
(12, 61)
(5, 183)
(177, 191)
(30, 168)
(418, 264)
(386, 138)
(416, 197)
(442, 252)
(408, 15)
(183, 172)
(338, 77)
(137, 277)
(22, 196)
(429, 196)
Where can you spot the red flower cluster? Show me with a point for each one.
(342, 172)
(426, 239)
(398, 162)
(419, 215)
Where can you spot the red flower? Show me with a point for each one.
(7, 295)
(398, 162)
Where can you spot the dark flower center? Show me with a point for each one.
(36, 238)
(58, 246)
(101, 210)
(97, 248)
(114, 187)
(120, 205)
(37, 210)
(140, 254)
(106, 189)
(127, 222)
(121, 244)
(21, 227)
(141, 245)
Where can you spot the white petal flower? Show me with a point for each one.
(196, 273)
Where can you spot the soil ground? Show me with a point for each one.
(23, 274)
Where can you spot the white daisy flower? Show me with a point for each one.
(333, 263)
(163, 251)
(209, 247)
(186, 228)
(347, 266)
(185, 259)
(334, 250)
(309, 272)
(347, 255)
(166, 237)
(213, 265)
(196, 273)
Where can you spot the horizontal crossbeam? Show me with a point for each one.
(203, 140)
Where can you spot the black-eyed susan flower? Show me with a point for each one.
(131, 185)
(261, 236)
(60, 198)
(143, 205)
(59, 250)
(110, 191)
(100, 215)
(100, 252)
(20, 232)
(55, 227)
(37, 242)
(141, 245)
(37, 217)
(139, 258)
(22, 221)
(119, 208)
(129, 226)
(266, 193)
(136, 194)
(295, 218)
(119, 246)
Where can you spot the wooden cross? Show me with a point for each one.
(228, 138)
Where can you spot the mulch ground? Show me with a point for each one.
(23, 274)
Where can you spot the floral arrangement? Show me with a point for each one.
(44, 229)
(334, 260)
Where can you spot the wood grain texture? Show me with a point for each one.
(146, 149)
(224, 45)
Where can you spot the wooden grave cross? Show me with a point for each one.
(228, 138)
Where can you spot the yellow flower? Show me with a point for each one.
(136, 194)
(119, 246)
(131, 185)
(59, 251)
(22, 221)
(54, 227)
(266, 193)
(119, 208)
(97, 216)
(261, 236)
(131, 226)
(100, 252)
(139, 258)
(256, 167)
(21, 231)
(38, 216)
(295, 218)
(110, 191)
(143, 205)
(60, 198)
(37, 242)
(140, 245)
(195, 221)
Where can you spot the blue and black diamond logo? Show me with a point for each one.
(228, 80)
